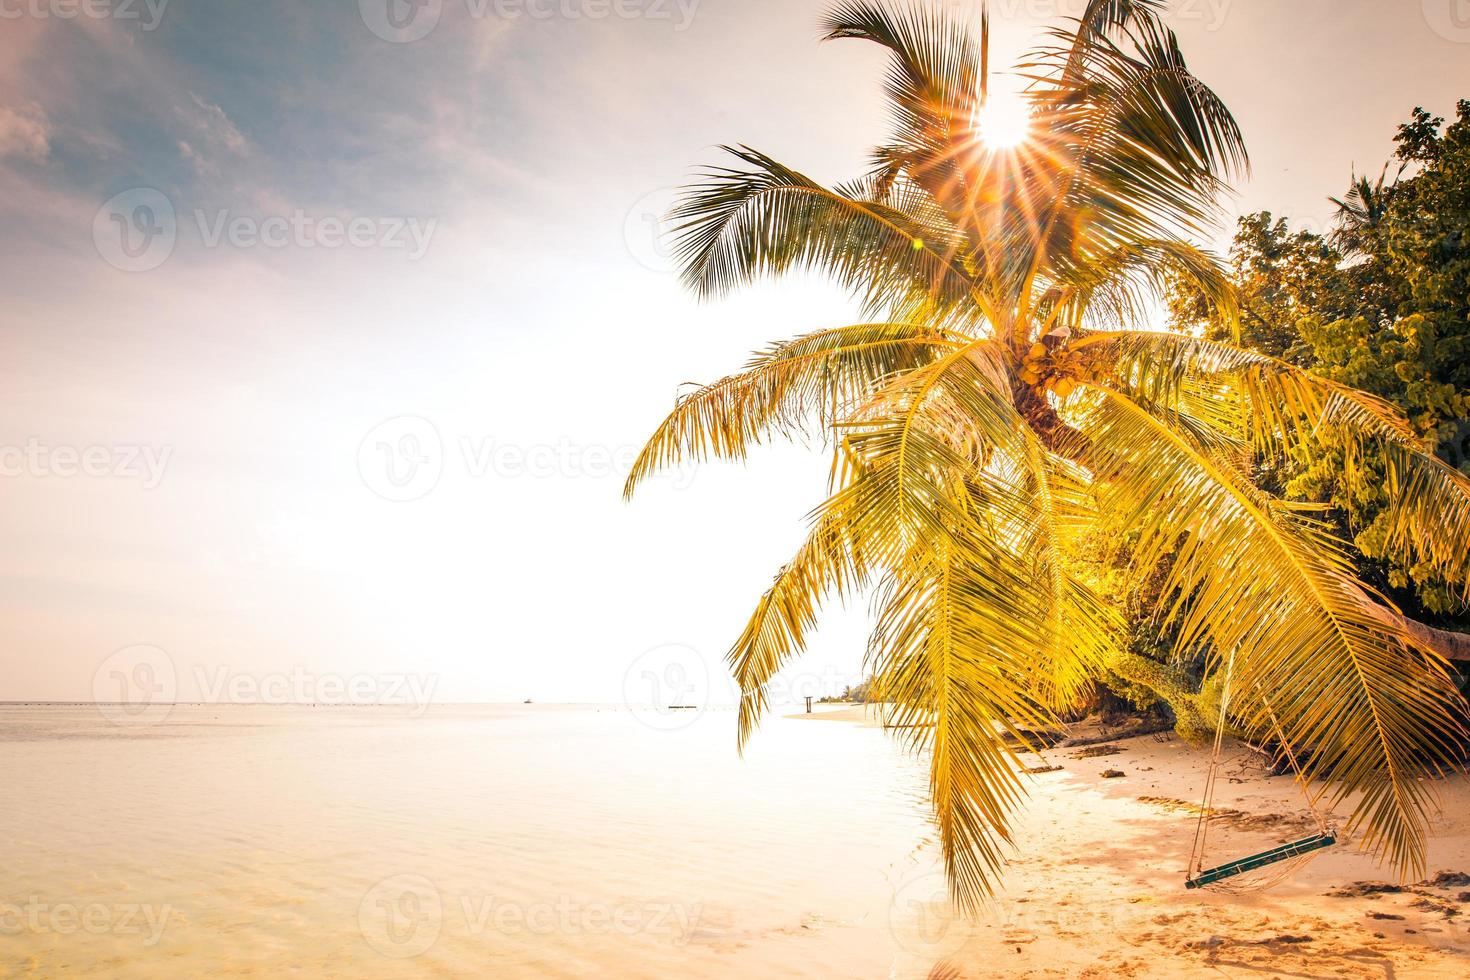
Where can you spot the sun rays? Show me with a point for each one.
(1003, 122)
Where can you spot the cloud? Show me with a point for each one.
(214, 135)
(214, 124)
(24, 132)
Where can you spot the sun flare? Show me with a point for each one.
(1003, 122)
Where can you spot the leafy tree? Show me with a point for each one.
(1281, 276)
(1381, 304)
(996, 411)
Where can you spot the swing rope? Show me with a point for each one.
(1285, 858)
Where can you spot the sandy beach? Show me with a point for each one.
(1096, 888)
(463, 459)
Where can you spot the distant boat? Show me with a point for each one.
(527, 701)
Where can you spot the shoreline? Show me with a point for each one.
(860, 714)
(1095, 886)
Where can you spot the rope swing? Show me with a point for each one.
(1282, 860)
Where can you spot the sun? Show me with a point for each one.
(1003, 122)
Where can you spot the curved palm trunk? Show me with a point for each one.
(1446, 643)
(1049, 426)
(1196, 713)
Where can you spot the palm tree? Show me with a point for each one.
(1361, 212)
(996, 408)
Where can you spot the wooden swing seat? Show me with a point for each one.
(1281, 853)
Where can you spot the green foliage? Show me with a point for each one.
(1382, 304)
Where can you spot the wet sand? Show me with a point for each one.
(1096, 888)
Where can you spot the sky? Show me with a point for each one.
(329, 329)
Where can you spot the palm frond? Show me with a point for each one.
(1286, 407)
(1083, 631)
(828, 562)
(1256, 579)
(799, 387)
(954, 687)
(764, 218)
(933, 87)
(1102, 19)
(1116, 287)
(1144, 146)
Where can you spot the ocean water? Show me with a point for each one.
(504, 841)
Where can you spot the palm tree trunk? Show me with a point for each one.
(1446, 643)
(1196, 713)
(1053, 430)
